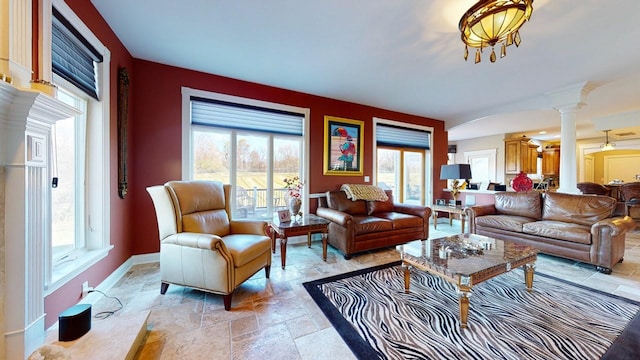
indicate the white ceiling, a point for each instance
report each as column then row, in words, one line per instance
column 407, row 56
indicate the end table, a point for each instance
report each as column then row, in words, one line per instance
column 306, row 225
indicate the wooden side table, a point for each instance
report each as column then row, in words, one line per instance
column 309, row 224
column 451, row 210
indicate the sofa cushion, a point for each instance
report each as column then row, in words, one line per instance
column 560, row 230
column 401, row 221
column 578, row 209
column 370, row 224
column 527, row 204
column 374, row 207
column 504, row 222
column 337, row 200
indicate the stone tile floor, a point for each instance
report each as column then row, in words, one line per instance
column 276, row 319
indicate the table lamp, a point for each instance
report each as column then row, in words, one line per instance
column 455, row 172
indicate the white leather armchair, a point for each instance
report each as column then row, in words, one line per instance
column 200, row 246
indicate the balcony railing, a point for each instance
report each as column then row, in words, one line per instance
column 253, row 203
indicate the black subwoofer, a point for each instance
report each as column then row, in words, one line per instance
column 74, row 322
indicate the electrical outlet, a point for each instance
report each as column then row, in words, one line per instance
column 86, row 288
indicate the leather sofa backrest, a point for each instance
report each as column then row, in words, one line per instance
column 374, row 207
column 577, row 209
column 527, row 204
column 337, row 200
column 201, row 206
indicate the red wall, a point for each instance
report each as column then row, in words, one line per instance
column 69, row 294
column 156, row 131
column 155, row 146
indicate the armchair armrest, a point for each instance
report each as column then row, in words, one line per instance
column 256, row 227
column 341, row 218
column 196, row 240
column 417, row 210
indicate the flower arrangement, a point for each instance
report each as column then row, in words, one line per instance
column 294, row 187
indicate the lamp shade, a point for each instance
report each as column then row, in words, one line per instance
column 455, row 171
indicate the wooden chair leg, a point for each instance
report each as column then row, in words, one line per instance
column 267, row 271
column 227, row 301
column 163, row 287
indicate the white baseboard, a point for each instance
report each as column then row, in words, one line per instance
column 115, row 276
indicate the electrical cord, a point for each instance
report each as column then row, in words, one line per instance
column 107, row 313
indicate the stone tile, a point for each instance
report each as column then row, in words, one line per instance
column 242, row 326
column 301, row 326
column 212, row 342
column 176, row 319
column 273, row 342
column 325, row 344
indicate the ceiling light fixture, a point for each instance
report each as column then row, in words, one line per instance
column 607, row 145
column 490, row 22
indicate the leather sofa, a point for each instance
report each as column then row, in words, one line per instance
column 586, row 228
column 362, row 225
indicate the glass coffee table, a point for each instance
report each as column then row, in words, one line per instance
column 467, row 260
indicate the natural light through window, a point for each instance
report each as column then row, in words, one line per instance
column 69, row 160
column 253, row 148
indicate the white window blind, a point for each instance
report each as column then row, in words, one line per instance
column 207, row 112
column 396, row 136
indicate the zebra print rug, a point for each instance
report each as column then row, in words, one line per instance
column 558, row 320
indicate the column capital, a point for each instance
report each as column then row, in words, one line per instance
column 570, row 97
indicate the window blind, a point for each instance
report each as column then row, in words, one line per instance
column 72, row 56
column 207, row 112
column 389, row 135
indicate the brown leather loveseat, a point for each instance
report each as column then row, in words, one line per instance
column 587, row 228
column 362, row 225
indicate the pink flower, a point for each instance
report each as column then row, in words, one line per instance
column 294, row 187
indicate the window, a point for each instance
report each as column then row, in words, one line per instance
column 402, row 159
column 483, row 165
column 250, row 144
column 79, row 234
column 402, row 171
column 69, row 164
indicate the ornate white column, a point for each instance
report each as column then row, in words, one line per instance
column 26, row 117
column 15, row 41
column 567, row 101
column 568, row 169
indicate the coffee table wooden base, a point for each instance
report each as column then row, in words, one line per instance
column 464, row 291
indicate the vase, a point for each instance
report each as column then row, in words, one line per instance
column 294, row 206
column 522, row 182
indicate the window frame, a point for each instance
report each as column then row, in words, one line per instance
column 187, row 158
column 491, row 156
column 80, row 161
column 427, row 154
column 97, row 229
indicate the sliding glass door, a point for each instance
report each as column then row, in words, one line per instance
column 402, row 171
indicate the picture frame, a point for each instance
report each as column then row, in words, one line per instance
column 284, row 216
column 441, row 202
column 343, row 146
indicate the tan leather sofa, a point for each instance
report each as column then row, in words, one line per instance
column 362, row 225
column 200, row 245
column 587, row 228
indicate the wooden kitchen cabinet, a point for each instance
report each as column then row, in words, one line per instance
column 551, row 160
column 520, row 155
